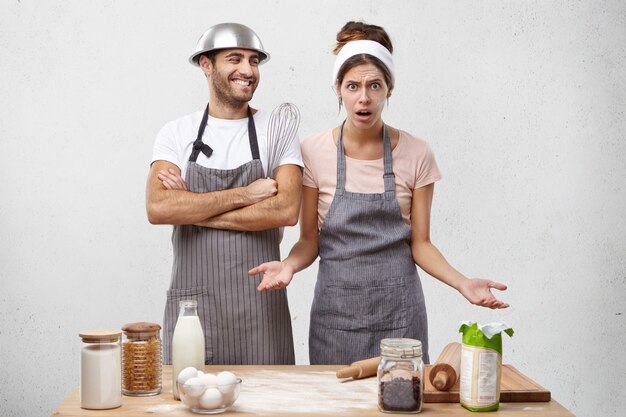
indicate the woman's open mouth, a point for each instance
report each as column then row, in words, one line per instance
column 363, row 115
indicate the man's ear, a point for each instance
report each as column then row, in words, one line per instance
column 206, row 65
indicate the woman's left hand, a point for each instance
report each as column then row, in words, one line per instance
column 478, row 292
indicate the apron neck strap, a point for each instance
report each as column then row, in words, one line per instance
column 388, row 176
column 254, row 143
column 199, row 146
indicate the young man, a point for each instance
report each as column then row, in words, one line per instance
column 209, row 179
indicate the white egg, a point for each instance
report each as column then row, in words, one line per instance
column 185, row 374
column 211, row 399
column 194, row 387
column 210, row 380
column 191, row 402
column 226, row 381
column 228, row 397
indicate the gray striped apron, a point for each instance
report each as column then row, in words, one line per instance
column 241, row 325
column 367, row 284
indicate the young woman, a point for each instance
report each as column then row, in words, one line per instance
column 367, row 197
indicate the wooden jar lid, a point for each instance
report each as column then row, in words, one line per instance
column 141, row 327
column 100, row 336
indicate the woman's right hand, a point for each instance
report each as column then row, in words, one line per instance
column 276, row 275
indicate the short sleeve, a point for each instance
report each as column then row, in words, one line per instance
column 309, row 177
column 292, row 155
column 427, row 170
column 165, row 147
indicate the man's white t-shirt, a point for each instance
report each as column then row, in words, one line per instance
column 227, row 138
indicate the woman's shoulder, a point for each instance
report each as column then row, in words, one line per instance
column 408, row 139
column 411, row 145
column 317, row 140
column 416, row 155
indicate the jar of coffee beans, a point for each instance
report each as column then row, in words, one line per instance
column 400, row 376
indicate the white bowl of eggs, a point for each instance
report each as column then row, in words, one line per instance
column 207, row 393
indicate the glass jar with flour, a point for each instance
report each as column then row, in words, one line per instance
column 100, row 369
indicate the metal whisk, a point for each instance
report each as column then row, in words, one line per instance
column 282, row 131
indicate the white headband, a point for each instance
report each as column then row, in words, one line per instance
column 372, row 48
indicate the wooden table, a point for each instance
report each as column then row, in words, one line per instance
column 303, row 391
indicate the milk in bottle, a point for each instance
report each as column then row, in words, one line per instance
column 187, row 341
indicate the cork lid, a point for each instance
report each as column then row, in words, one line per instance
column 100, row 336
column 141, row 327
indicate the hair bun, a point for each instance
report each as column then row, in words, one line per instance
column 356, row 31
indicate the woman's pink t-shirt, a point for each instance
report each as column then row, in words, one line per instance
column 414, row 166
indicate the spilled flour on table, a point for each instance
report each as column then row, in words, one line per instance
column 165, row 408
column 310, row 392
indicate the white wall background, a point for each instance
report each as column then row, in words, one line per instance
column 523, row 102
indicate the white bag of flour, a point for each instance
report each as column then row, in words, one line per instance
column 481, row 365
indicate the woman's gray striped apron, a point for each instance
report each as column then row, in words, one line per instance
column 367, row 285
column 241, row 325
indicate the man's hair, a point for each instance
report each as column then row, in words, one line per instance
column 210, row 55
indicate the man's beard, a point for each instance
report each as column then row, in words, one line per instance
column 225, row 94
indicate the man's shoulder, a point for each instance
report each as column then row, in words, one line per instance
column 261, row 119
column 183, row 126
column 191, row 119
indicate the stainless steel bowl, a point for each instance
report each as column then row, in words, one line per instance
column 228, row 35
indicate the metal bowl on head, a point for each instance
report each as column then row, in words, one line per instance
column 228, row 35
column 209, row 399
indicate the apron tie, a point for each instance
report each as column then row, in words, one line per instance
column 199, row 146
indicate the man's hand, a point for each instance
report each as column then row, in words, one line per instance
column 259, row 190
column 262, row 188
column 172, row 180
column 168, row 200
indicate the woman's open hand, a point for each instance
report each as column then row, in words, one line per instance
column 276, row 275
column 478, row 292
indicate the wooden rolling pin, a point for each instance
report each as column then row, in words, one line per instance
column 446, row 369
column 360, row 369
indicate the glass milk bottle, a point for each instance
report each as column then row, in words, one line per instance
column 187, row 342
column 100, row 369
